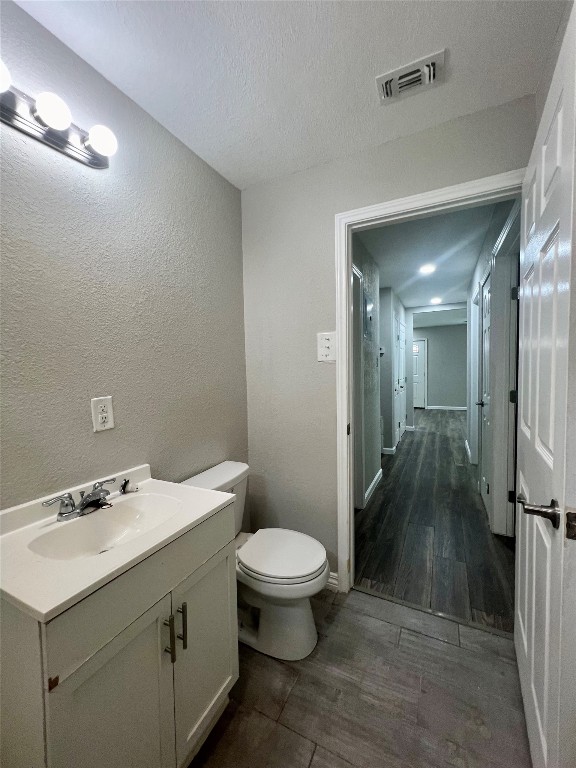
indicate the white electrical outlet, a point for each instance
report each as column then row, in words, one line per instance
column 102, row 413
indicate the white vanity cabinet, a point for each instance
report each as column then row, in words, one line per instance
column 113, row 693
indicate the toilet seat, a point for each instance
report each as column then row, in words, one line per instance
column 281, row 556
column 278, row 580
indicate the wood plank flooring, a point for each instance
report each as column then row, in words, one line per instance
column 424, row 538
column 387, row 686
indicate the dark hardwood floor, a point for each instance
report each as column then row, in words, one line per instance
column 424, row 538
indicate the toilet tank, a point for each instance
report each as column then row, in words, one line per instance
column 229, row 476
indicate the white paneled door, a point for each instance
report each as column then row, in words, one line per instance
column 545, row 617
column 402, row 375
column 419, row 372
column 485, row 403
column 396, row 367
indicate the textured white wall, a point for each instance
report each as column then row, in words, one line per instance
column 124, row 282
column 289, row 288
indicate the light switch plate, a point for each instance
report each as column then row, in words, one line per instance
column 102, row 413
column 327, row 347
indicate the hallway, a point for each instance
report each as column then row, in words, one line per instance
column 424, row 538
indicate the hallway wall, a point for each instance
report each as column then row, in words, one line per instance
column 447, row 353
column 370, row 366
column 289, row 289
column 501, row 212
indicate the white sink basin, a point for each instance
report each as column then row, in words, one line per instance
column 47, row 566
column 105, row 529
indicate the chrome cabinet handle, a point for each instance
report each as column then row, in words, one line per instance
column 184, row 635
column 171, row 649
column 551, row 512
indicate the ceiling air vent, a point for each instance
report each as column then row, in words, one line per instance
column 411, row 78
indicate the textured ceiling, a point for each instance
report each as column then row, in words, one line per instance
column 264, row 89
column 450, row 241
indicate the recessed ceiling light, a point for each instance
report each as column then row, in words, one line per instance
column 435, row 300
column 427, row 269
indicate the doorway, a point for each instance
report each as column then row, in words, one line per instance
column 425, row 538
column 420, row 373
column 484, row 191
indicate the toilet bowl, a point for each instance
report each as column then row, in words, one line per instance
column 277, row 571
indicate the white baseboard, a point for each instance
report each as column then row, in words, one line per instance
column 410, row 429
column 333, row 582
column 372, row 486
column 388, row 451
column 445, row 407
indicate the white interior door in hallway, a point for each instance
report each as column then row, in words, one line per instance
column 485, row 402
column 402, row 376
column 396, row 364
column 419, row 372
column 545, row 613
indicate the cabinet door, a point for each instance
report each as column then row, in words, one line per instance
column 116, row 710
column 208, row 668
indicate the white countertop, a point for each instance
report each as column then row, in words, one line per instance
column 44, row 587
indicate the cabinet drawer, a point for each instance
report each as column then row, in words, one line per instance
column 78, row 633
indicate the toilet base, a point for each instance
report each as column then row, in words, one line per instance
column 285, row 629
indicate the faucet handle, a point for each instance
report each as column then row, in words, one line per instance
column 101, row 483
column 65, row 500
column 67, row 506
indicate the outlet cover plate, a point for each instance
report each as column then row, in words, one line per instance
column 102, row 413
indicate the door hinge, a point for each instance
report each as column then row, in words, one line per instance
column 53, row 682
column 571, row 525
column 487, row 489
column 511, row 497
column 513, row 396
column 515, row 293
column 348, row 429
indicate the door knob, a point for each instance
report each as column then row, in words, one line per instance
column 551, row 512
column 480, row 403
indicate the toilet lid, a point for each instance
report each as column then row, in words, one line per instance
column 282, row 554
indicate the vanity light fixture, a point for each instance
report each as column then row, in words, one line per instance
column 5, row 79
column 101, row 140
column 52, row 112
column 436, row 300
column 427, row 269
column 48, row 119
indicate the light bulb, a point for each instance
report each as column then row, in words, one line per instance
column 52, row 111
column 102, row 140
column 427, row 269
column 5, row 79
column 436, row 300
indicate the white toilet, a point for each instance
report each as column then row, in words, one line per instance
column 277, row 571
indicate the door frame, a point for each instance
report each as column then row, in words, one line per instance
column 490, row 189
column 424, row 369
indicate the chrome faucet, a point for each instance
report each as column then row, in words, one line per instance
column 94, row 499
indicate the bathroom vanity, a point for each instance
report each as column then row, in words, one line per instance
column 123, row 656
